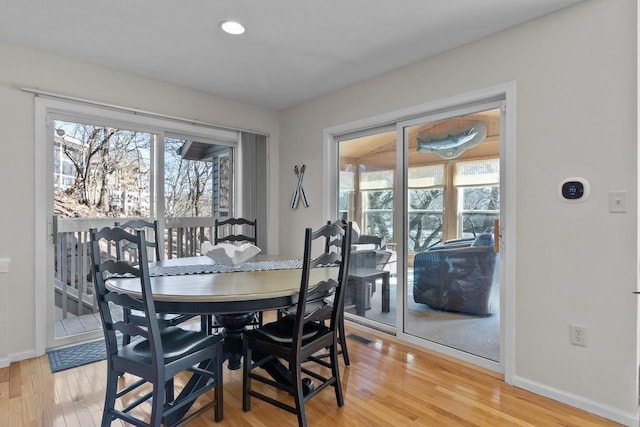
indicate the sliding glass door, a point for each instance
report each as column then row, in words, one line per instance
column 453, row 203
column 100, row 167
column 366, row 198
column 424, row 196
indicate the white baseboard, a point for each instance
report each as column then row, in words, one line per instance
column 16, row 357
column 579, row 402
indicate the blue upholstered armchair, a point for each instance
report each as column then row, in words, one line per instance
column 460, row 275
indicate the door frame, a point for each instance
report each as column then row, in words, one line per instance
column 400, row 220
column 505, row 92
column 47, row 109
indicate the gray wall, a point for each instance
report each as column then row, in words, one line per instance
column 29, row 68
column 575, row 72
column 576, row 116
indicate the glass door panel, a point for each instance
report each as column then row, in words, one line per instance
column 101, row 174
column 453, row 198
column 197, row 188
column 366, row 197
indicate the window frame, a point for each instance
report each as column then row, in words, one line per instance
column 48, row 109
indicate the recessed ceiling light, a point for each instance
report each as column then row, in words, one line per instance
column 232, row 27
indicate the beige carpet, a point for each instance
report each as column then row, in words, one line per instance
column 478, row 335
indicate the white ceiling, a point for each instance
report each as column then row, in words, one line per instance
column 293, row 50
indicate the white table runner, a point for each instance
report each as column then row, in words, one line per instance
column 179, row 270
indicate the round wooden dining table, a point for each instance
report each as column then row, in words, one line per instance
column 232, row 296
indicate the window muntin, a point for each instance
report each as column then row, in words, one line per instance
column 478, row 188
column 378, row 213
column 377, row 202
column 346, row 194
column 426, row 206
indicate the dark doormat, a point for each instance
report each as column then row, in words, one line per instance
column 77, row 355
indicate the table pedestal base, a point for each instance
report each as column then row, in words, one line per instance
column 233, row 326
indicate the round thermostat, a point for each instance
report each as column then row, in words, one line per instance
column 574, row 189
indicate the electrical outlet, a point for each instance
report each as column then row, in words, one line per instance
column 578, row 335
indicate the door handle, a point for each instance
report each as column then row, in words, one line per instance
column 496, row 236
column 53, row 228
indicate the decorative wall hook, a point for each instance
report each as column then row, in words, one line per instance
column 299, row 191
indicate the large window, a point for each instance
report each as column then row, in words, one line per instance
column 426, row 206
column 478, row 186
column 346, row 194
column 188, row 181
column 477, row 204
column 98, row 166
column 377, row 195
column 101, row 171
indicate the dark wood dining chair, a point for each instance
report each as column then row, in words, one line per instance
column 336, row 244
column 155, row 355
column 236, row 230
column 127, row 251
column 332, row 243
column 295, row 341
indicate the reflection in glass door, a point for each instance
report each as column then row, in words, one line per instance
column 453, row 198
column 440, row 234
column 366, row 197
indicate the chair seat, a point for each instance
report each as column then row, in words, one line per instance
column 176, row 343
column 281, row 331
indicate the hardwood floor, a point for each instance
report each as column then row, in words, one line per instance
column 387, row 383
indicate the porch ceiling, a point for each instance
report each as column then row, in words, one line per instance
column 379, row 151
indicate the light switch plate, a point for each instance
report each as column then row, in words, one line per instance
column 617, row 201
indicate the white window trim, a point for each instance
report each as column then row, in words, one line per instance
column 46, row 110
column 507, row 93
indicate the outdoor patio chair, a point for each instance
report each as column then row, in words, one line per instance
column 460, row 275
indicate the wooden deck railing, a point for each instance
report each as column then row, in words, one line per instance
column 73, row 282
column 183, row 236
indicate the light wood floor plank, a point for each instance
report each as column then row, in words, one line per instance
column 15, row 412
column 388, row 384
column 30, row 413
column 15, row 383
column 4, row 402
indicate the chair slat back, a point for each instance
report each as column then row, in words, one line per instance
column 236, row 230
column 334, row 243
column 128, row 250
column 111, row 304
column 316, row 294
